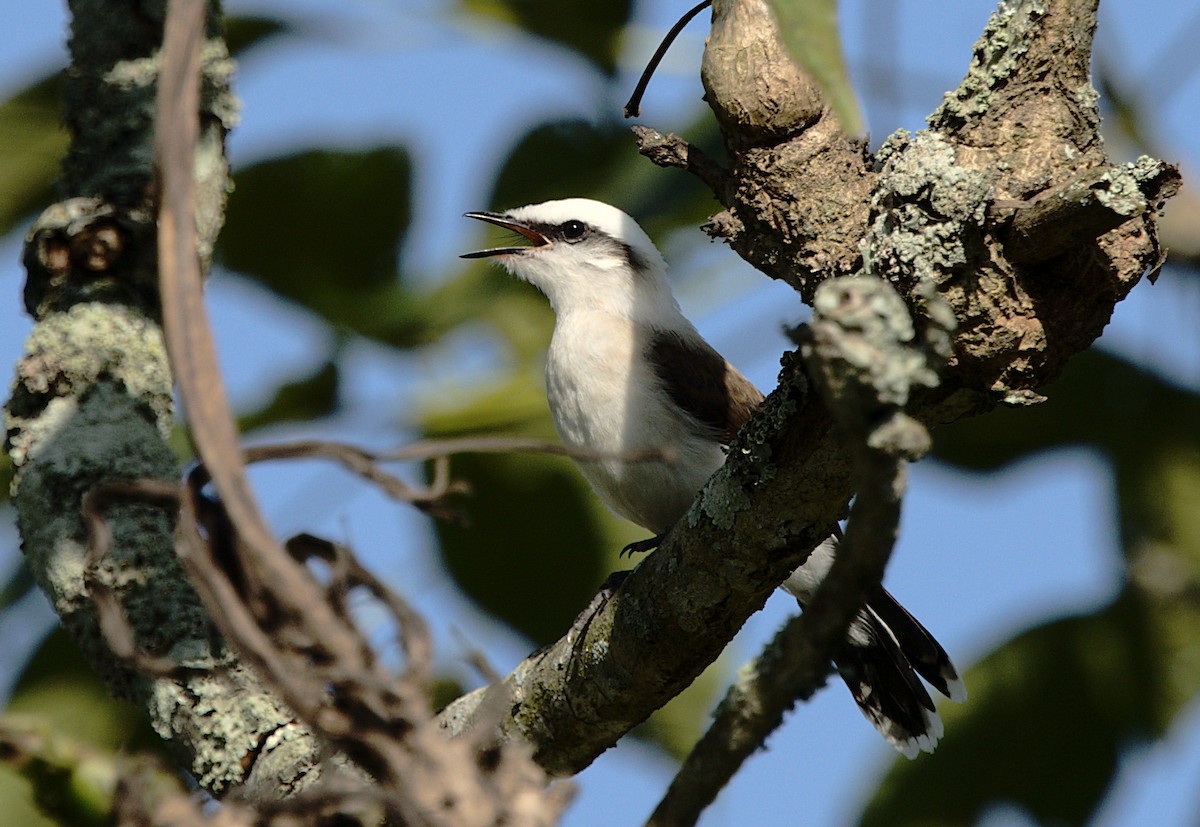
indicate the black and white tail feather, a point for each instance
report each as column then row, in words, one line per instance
column 886, row 653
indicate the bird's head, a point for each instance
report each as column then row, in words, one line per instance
column 583, row 254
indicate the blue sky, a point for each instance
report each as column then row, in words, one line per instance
column 361, row 76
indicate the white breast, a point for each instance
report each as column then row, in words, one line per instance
column 605, row 399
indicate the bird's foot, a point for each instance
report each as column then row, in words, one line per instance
column 642, row 546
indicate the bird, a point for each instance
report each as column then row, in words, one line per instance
column 628, row 374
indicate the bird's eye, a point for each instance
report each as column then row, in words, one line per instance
column 573, row 230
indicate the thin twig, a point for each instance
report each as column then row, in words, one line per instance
column 431, row 449
column 672, row 151
column 365, row 463
column 412, row 629
column 634, row 107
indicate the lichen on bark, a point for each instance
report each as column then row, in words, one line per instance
column 92, row 400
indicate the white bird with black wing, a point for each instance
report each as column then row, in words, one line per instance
column 628, row 374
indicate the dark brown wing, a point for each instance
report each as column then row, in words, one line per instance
column 702, row 383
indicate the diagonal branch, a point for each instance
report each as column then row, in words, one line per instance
column 860, row 351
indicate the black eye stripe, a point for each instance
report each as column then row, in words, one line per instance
column 597, row 237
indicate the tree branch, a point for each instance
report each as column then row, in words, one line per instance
column 672, row 151
column 805, row 205
column 92, row 400
column 1084, row 208
column 861, row 351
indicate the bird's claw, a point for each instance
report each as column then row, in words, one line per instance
column 642, row 546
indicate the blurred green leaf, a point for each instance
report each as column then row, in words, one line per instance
column 531, row 552
column 244, row 33
column 324, row 229
column 1049, row 716
column 60, row 693
column 591, row 29
column 810, row 33
column 16, row 799
column 1101, row 400
column 307, row 399
column 32, row 141
column 69, row 782
column 1145, row 426
column 59, row 690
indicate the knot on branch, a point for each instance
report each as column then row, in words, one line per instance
column 759, row 96
column 84, row 249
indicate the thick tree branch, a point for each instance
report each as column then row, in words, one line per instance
column 92, row 400
column 805, row 205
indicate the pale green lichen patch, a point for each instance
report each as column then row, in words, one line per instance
column 924, row 167
column 926, row 210
column 997, row 57
column 1121, row 189
column 233, row 721
column 866, row 338
column 218, row 69
column 720, row 500
column 127, row 75
column 66, row 353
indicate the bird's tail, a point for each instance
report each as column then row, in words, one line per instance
column 886, row 650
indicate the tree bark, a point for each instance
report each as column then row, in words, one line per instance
column 92, row 403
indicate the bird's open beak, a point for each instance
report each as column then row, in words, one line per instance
column 500, row 220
